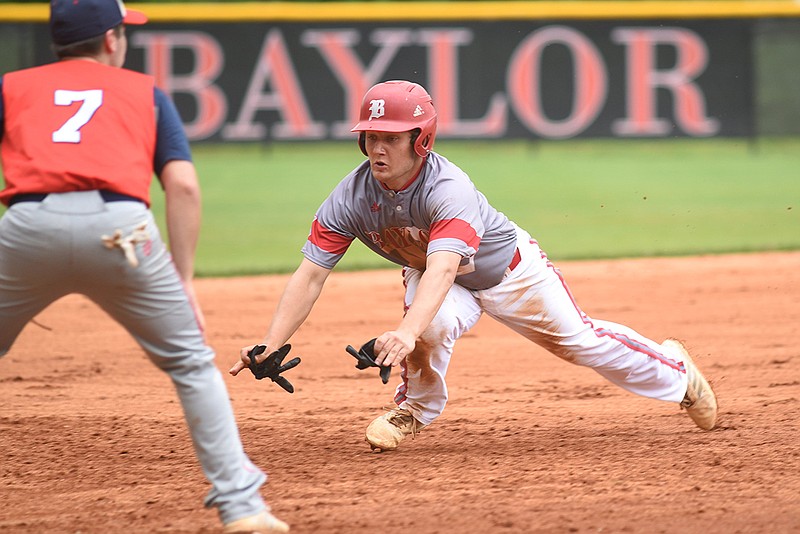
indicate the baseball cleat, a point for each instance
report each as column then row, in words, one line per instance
column 700, row 401
column 261, row 523
column 387, row 431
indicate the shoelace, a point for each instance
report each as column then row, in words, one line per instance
column 695, row 386
column 687, row 401
column 400, row 419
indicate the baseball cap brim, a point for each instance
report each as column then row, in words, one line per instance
column 134, row 17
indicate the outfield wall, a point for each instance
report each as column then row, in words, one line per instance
column 496, row 70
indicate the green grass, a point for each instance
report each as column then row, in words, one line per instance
column 579, row 199
column 610, row 198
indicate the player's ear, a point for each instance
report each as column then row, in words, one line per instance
column 112, row 39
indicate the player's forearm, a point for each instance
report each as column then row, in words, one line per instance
column 428, row 300
column 184, row 228
column 296, row 303
column 434, row 285
column 183, row 214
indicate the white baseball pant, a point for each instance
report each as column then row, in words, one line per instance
column 533, row 299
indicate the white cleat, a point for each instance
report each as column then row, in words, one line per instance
column 261, row 523
column 700, row 401
column 387, row 431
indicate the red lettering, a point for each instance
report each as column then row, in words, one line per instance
column 443, row 85
column 643, row 78
column 274, row 105
column 394, row 238
column 375, row 237
column 209, row 61
column 274, row 66
column 336, row 48
column 524, row 82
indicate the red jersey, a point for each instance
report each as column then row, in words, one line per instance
column 78, row 125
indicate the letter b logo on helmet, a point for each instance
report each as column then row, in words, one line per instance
column 398, row 106
column 376, row 109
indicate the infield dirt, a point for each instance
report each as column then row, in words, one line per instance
column 92, row 437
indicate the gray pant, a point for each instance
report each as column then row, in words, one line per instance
column 52, row 248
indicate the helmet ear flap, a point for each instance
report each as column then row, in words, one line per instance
column 423, row 145
column 362, row 142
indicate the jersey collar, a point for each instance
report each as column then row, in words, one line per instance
column 411, row 181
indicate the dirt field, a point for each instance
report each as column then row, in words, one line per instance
column 92, row 438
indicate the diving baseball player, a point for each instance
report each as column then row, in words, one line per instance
column 461, row 258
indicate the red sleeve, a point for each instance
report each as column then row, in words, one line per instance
column 328, row 240
column 455, row 229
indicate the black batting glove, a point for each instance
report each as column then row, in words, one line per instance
column 273, row 366
column 366, row 358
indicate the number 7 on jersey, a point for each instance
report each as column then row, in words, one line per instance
column 91, row 101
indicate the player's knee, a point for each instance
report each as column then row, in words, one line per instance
column 184, row 361
column 444, row 329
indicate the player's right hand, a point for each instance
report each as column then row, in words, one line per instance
column 392, row 347
column 244, row 360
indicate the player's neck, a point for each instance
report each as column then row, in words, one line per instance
column 90, row 59
column 402, row 183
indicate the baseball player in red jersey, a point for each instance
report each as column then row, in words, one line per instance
column 461, row 258
column 81, row 140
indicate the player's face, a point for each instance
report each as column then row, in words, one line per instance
column 392, row 158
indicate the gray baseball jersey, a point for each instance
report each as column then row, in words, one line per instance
column 441, row 210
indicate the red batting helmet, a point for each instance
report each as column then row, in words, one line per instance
column 398, row 106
